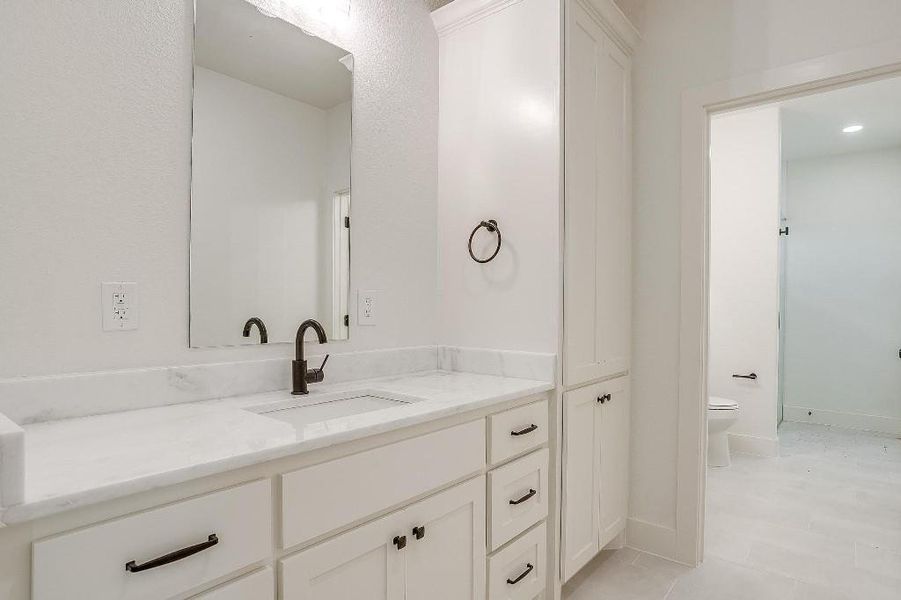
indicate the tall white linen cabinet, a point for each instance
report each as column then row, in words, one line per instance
column 535, row 132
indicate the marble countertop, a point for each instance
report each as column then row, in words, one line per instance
column 76, row 462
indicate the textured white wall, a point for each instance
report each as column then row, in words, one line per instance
column 843, row 282
column 499, row 159
column 745, row 173
column 95, row 110
column 686, row 44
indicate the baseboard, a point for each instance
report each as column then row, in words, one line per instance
column 651, row 538
column 860, row 421
column 754, row 445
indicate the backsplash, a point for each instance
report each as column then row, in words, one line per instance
column 34, row 399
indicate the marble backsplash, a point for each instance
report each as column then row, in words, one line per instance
column 27, row 400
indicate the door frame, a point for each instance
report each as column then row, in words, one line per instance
column 832, row 71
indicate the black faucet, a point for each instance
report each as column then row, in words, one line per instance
column 264, row 336
column 300, row 375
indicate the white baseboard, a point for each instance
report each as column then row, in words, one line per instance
column 842, row 419
column 651, row 538
column 751, row 444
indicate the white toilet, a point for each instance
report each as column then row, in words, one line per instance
column 721, row 415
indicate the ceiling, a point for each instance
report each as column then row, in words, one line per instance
column 234, row 38
column 812, row 125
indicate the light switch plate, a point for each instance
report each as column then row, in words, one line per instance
column 119, row 302
column 367, row 307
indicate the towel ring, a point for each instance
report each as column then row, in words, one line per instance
column 490, row 225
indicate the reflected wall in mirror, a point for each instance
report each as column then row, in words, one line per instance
column 270, row 183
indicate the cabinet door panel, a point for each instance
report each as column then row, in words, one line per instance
column 580, row 482
column 362, row 563
column 597, row 269
column 448, row 561
column 614, row 455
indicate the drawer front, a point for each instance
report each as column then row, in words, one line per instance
column 259, row 585
column 518, row 496
column 518, row 572
column 325, row 497
column 91, row 563
column 517, row 431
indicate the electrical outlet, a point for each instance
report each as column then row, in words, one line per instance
column 119, row 302
column 367, row 308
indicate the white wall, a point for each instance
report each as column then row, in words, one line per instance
column 95, row 110
column 686, row 44
column 499, row 159
column 745, row 176
column 258, row 196
column 843, row 284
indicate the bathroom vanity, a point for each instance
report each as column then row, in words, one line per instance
column 428, row 485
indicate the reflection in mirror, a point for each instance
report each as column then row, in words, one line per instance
column 270, row 183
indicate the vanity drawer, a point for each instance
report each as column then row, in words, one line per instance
column 527, row 555
column 91, row 562
column 328, row 496
column 259, row 585
column 517, row 430
column 518, row 496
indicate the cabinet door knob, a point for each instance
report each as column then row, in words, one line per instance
column 400, row 541
column 524, row 498
column 419, row 532
column 522, row 575
column 604, row 398
column 528, row 429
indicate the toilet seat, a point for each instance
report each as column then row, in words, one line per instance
column 716, row 403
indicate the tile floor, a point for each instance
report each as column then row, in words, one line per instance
column 821, row 522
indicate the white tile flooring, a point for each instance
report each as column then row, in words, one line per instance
column 821, row 522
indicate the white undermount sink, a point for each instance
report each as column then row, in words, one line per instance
column 304, row 411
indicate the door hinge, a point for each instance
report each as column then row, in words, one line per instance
column 347, row 320
column 347, row 222
column 783, row 230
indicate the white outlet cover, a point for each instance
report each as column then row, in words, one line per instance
column 367, row 307
column 119, row 305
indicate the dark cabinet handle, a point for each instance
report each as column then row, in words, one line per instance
column 524, row 498
column 133, row 567
column 400, row 541
column 522, row 575
column 604, row 398
column 419, row 532
column 748, row 376
column 528, row 429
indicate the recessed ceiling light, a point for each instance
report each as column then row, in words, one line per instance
column 852, row 128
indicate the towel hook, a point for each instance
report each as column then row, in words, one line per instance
column 490, row 225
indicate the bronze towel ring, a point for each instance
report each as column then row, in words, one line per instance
column 490, row 225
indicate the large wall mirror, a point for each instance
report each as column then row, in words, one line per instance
column 270, row 186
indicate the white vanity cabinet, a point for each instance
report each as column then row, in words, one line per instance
column 405, row 517
column 595, row 469
column 597, row 200
column 431, row 550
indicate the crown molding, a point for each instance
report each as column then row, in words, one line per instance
column 461, row 13
column 614, row 22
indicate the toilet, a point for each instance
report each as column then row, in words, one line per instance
column 721, row 415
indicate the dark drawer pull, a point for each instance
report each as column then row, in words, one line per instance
column 748, row 376
column 400, row 541
column 522, row 575
column 133, row 567
column 604, row 398
column 419, row 532
column 528, row 429
column 524, row 498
